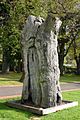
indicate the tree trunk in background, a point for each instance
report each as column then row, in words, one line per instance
column 40, row 60
column 61, row 59
column 5, row 65
column 77, row 58
column 19, row 66
column 22, row 77
column 23, row 73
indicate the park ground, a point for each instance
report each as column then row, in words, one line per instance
column 7, row 113
column 13, row 78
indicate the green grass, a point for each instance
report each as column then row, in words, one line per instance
column 69, row 114
column 7, row 113
column 11, row 78
column 70, row 78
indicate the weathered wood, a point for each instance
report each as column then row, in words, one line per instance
column 41, row 69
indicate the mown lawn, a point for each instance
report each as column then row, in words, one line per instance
column 7, row 113
column 70, row 78
column 11, row 78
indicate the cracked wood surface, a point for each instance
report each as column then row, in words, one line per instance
column 40, row 59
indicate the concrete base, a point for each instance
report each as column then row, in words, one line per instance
column 41, row 111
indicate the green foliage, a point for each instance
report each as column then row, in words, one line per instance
column 67, row 5
column 71, row 51
column 14, row 13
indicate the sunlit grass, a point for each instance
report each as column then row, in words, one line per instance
column 68, row 114
column 11, row 78
column 7, row 113
column 70, row 78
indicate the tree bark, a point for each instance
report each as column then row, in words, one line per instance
column 5, row 64
column 61, row 58
column 22, row 77
column 77, row 58
column 40, row 60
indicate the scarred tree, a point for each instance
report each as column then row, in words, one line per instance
column 40, row 60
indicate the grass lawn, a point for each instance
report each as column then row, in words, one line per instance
column 7, row 113
column 11, row 78
column 70, row 78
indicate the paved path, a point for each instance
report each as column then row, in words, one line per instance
column 13, row 91
column 70, row 86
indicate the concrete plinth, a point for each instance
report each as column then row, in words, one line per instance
column 41, row 111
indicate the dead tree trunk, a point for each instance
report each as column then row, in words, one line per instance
column 40, row 60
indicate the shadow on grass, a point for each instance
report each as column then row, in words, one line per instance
column 5, row 109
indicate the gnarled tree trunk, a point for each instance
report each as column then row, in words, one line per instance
column 40, row 59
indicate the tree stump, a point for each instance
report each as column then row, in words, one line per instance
column 40, row 60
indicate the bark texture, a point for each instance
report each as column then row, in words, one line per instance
column 6, row 62
column 61, row 58
column 77, row 58
column 40, row 59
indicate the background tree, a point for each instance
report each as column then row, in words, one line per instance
column 76, row 46
column 13, row 16
column 68, row 33
column 14, row 13
column 70, row 15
